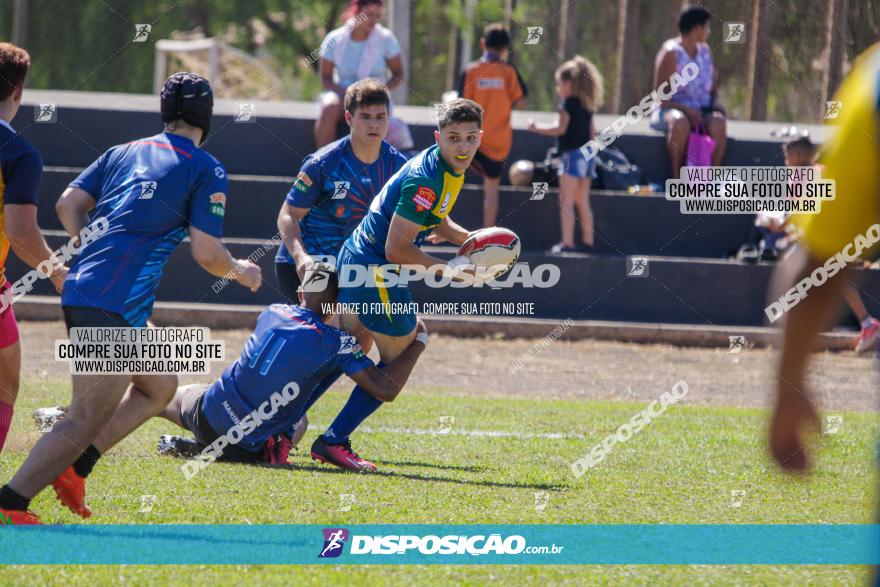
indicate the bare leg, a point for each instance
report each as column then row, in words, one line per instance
column 585, row 213
column 94, row 399
column 716, row 127
column 10, row 370
column 491, row 191
column 677, row 139
column 567, row 189
column 147, row 396
column 325, row 126
column 854, row 301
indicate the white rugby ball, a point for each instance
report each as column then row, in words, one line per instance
column 493, row 248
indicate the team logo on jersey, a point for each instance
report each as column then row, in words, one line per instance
column 148, row 188
column 348, row 345
column 424, row 199
column 303, row 182
column 218, row 171
column 218, row 204
column 444, row 204
column 340, row 189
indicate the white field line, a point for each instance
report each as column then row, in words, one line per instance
column 454, row 432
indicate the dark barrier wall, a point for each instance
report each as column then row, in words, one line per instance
column 277, row 145
column 590, row 288
column 625, row 224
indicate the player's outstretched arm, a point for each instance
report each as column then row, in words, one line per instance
column 385, row 384
column 794, row 412
column 213, row 256
column 289, row 218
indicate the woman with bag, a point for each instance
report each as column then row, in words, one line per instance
column 692, row 118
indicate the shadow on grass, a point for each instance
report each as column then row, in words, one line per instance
column 415, row 477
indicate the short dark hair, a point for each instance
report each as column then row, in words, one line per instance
column 691, row 16
column 801, row 144
column 496, row 36
column 460, row 110
column 14, row 64
column 366, row 92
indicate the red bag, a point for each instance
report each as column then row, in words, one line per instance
column 700, row 148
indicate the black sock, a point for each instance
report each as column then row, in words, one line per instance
column 12, row 500
column 86, row 462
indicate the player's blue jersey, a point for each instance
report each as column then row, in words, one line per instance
column 337, row 187
column 290, row 344
column 150, row 191
column 20, row 171
column 423, row 191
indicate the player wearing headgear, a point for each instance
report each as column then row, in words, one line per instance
column 291, row 351
column 415, row 203
column 147, row 195
column 20, row 171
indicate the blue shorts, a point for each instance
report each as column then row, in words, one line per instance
column 386, row 310
column 574, row 163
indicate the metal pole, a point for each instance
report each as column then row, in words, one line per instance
column 400, row 20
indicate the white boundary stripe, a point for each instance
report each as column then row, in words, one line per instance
column 478, row 433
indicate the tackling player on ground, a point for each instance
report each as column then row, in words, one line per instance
column 291, row 344
column 852, row 159
column 20, row 171
column 415, row 203
column 152, row 192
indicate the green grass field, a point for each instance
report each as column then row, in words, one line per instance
column 681, row 468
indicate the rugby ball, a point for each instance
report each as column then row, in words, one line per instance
column 492, row 247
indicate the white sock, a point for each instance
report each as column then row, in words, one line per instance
column 867, row 321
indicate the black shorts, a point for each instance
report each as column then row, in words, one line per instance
column 288, row 281
column 487, row 167
column 192, row 416
column 83, row 317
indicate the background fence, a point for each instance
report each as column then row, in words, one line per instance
column 792, row 56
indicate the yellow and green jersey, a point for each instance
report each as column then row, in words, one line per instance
column 423, row 191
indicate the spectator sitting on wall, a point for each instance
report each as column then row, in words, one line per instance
column 696, row 102
column 361, row 49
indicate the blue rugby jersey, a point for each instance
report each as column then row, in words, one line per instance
column 289, row 345
column 150, row 191
column 337, row 187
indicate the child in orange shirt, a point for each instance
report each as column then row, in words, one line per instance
column 497, row 86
